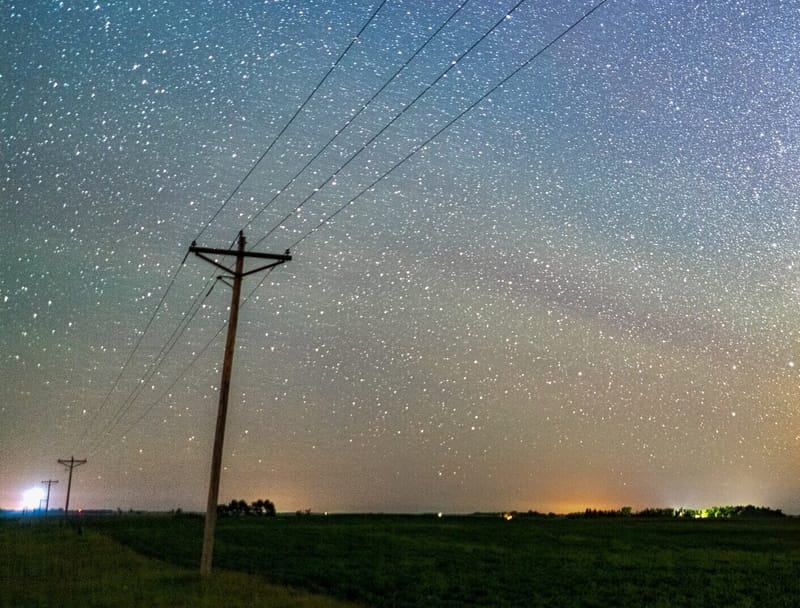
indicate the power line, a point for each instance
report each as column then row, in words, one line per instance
column 127, row 403
column 169, row 345
column 100, row 444
column 133, row 352
column 468, row 109
column 95, row 419
column 227, row 200
column 396, row 117
column 358, row 113
column 291, row 120
column 331, row 216
column 167, row 390
column 183, row 372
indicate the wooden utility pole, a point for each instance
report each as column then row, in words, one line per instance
column 237, row 274
column 70, row 464
column 49, row 483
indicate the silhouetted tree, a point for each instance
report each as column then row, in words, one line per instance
column 240, row 508
column 263, row 507
column 660, row 512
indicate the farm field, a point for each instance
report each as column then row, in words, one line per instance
column 410, row 561
column 44, row 564
column 405, row 561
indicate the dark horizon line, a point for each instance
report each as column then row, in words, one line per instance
column 624, row 511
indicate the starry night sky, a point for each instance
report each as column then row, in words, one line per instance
column 582, row 293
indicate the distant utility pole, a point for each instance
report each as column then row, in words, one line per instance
column 49, row 483
column 70, row 464
column 237, row 274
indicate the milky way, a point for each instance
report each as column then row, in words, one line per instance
column 581, row 293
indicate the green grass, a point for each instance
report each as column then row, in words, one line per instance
column 43, row 564
column 407, row 561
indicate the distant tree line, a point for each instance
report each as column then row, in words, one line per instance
column 238, row 508
column 727, row 512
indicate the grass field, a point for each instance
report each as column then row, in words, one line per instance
column 469, row 561
column 44, row 565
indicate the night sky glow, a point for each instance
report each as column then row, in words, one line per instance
column 582, row 293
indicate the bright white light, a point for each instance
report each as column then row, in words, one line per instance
column 31, row 498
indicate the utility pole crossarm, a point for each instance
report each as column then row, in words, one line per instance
column 205, row 252
column 267, row 267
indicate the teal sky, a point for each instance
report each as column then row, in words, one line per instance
column 583, row 293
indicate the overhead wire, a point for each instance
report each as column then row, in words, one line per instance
column 233, row 193
column 428, row 141
column 340, row 209
column 133, row 352
column 181, row 375
column 350, row 120
column 452, row 65
column 153, row 368
column 167, row 390
column 358, row 113
column 308, row 98
column 291, row 119
column 468, row 109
